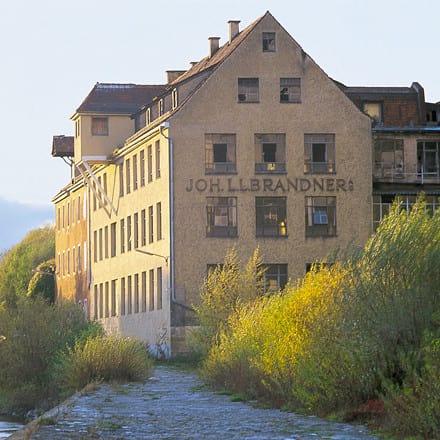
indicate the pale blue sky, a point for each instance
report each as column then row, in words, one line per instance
column 54, row 51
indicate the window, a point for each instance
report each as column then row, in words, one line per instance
column 104, row 183
column 136, row 230
column 121, row 180
column 388, row 158
column 144, row 291
column 142, row 166
column 428, row 159
column 148, row 116
column 151, row 292
column 79, row 208
column 129, row 233
column 270, row 153
column 122, row 296
column 79, row 265
column 290, row 90
column 129, row 295
column 220, row 153
column 106, row 242
column 127, row 176
column 373, row 110
column 73, row 260
column 157, row 159
column 101, row 300
column 160, row 107
column 136, row 293
column 135, row 173
column 122, row 235
column 159, row 221
column 248, row 90
column 269, row 42
column 100, row 244
column 320, row 216
column 107, row 300
column 174, row 100
column 222, row 217
column 275, row 277
column 99, row 126
column 271, row 219
column 319, row 154
column 150, row 225
column 113, row 239
column 150, row 163
column 95, row 302
column 95, row 246
column 73, row 211
column 143, row 228
column 113, row 299
column 159, row 288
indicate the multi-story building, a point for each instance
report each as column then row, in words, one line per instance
column 253, row 146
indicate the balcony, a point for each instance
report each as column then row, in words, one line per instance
column 220, row 168
column 390, row 173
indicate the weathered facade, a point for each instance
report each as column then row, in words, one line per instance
column 253, row 146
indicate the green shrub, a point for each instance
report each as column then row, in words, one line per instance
column 31, row 334
column 103, row 358
column 349, row 334
column 225, row 289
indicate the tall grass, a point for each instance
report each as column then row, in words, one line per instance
column 347, row 334
column 103, row 358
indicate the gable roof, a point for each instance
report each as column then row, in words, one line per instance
column 118, row 98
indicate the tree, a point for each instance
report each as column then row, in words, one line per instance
column 17, row 264
column 42, row 282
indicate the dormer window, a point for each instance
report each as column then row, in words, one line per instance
column 174, row 99
column 160, row 107
column 99, row 126
column 269, row 42
column 148, row 116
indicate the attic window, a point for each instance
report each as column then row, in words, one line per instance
column 99, row 126
column 269, row 42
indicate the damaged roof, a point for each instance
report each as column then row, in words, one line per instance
column 119, row 98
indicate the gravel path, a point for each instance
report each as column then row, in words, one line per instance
column 174, row 405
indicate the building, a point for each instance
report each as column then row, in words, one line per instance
column 253, row 146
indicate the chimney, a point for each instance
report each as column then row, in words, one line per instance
column 173, row 74
column 213, row 45
column 234, row 29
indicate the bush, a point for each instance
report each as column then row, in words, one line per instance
column 225, row 289
column 103, row 358
column 349, row 334
column 31, row 334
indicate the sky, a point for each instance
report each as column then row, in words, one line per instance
column 54, row 51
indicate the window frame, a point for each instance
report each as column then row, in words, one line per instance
column 263, row 144
column 320, row 216
column 290, row 90
column 269, row 42
column 271, row 216
column 248, row 90
column 221, row 217
column 99, row 126
column 212, row 166
column 326, row 166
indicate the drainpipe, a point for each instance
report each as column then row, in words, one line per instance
column 166, row 125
